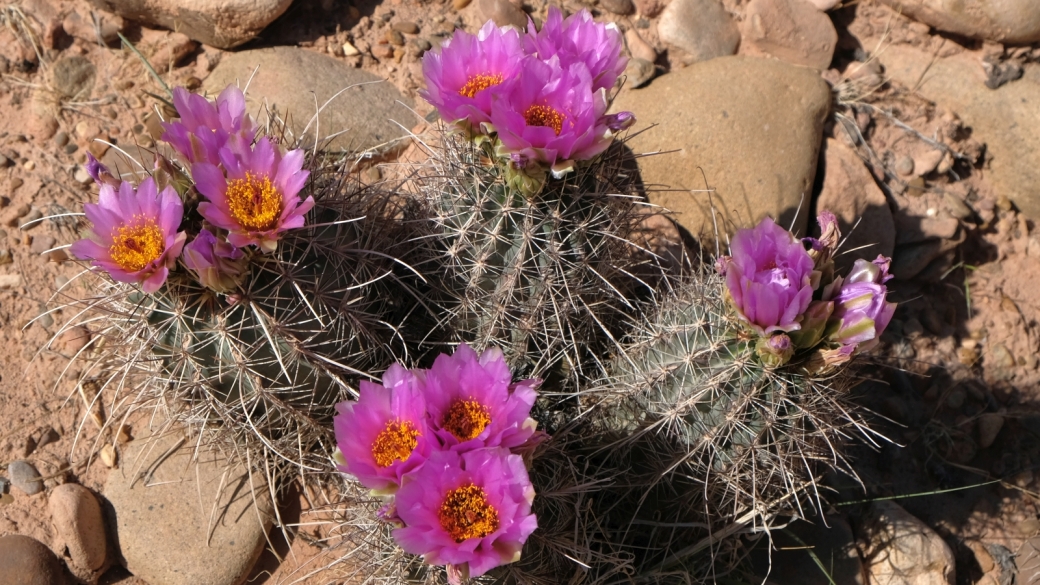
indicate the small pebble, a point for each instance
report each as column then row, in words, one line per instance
column 16, row 183
column 46, row 320
column 134, row 102
column 622, row 7
column 3, row 485
column 394, row 37
column 423, row 45
column 406, row 26
column 108, row 456
column 4, row 161
column 80, row 175
column 10, row 281
column 382, row 51
column 6, row 257
column 60, row 281
column 49, row 436
column 71, row 148
column 61, row 138
column 905, row 166
column 29, row 165
column 350, row 50
column 25, row 477
column 460, row 4
column 32, row 219
column 72, row 340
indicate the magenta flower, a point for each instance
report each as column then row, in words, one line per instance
column 100, row 172
column 217, row 264
column 463, row 80
column 206, row 127
column 861, row 312
column 134, row 236
column 259, row 198
column 471, row 511
column 579, row 39
column 384, row 436
column 550, row 115
column 768, row 277
column 472, row 402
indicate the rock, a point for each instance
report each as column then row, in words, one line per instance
column 72, row 340
column 73, row 77
column 989, row 427
column 1003, row 118
column 25, row 561
column 622, row 7
column 790, row 30
column 460, row 4
column 170, row 49
column 1005, row 21
column 290, row 79
column 12, row 217
column 849, row 191
column 926, row 161
column 503, row 12
column 6, row 257
column 76, row 516
column 899, row 549
column 639, row 48
column 25, row 477
column 61, row 138
column 109, row 26
column 48, row 436
column 41, row 244
column 910, row 260
column 406, row 26
column 824, row 4
column 42, row 126
column 187, row 521
column 650, row 8
column 702, row 28
column 9, row 281
column 753, row 125
column 639, row 72
column 218, row 23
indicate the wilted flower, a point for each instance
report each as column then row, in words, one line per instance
column 206, row 127
column 462, row 80
column 134, row 236
column 217, row 264
column 861, row 312
column 471, row 511
column 384, row 435
column 551, row 116
column 579, row 39
column 472, row 402
column 768, row 277
column 259, row 198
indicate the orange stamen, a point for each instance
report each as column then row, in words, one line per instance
column 394, row 443
column 135, row 246
column 254, row 202
column 467, row 514
column 466, row 419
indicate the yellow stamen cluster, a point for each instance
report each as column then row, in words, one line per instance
column 394, row 443
column 254, row 202
column 466, row 419
column 136, row 245
column 479, row 83
column 542, row 115
column 467, row 514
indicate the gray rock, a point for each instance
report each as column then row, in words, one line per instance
column 503, row 12
column 25, row 477
column 790, row 30
column 186, row 521
column 910, row 260
column 77, row 520
column 752, row 125
column 1005, row 118
column 990, row 424
column 26, row 561
column 702, row 28
column 849, row 191
column 622, row 7
column 639, row 72
column 73, row 76
column 219, row 23
column 290, row 80
column 899, row 549
column 1010, row 21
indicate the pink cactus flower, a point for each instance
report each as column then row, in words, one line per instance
column 768, row 276
column 579, row 39
column 384, row 436
column 134, row 236
column 470, row 511
column 217, row 264
column 259, row 197
column 206, row 127
column 472, row 402
column 861, row 312
column 550, row 115
column 465, row 77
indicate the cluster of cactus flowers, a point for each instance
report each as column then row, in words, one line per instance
column 263, row 302
column 445, row 446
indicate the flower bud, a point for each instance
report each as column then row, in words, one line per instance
column 775, row 350
column 861, row 312
column 217, row 264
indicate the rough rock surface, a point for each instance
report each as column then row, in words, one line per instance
column 25, row 561
column 220, row 23
column 187, row 521
column 899, row 549
column 1012, row 21
column 291, row 80
column 1007, row 117
column 702, row 28
column 76, row 516
column 790, row 30
column 850, row 193
column 753, row 126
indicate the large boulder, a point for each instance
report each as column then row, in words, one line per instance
column 1005, row 119
column 1006, row 21
column 220, row 23
column 748, row 128
column 702, row 28
column 367, row 113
